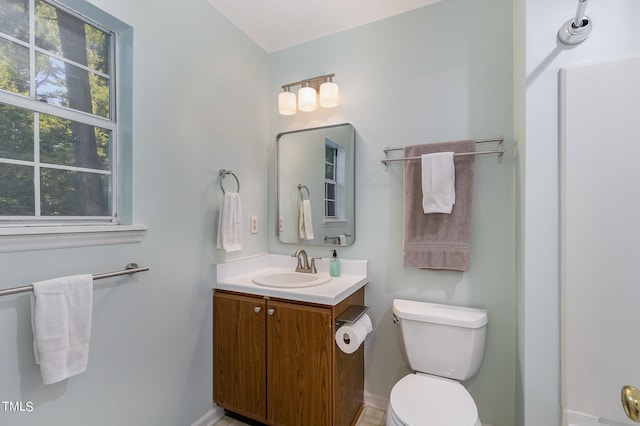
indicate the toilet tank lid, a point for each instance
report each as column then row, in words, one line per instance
column 458, row 316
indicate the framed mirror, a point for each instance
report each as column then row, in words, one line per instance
column 315, row 186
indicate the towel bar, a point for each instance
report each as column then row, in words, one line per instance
column 336, row 238
column 131, row 268
column 499, row 151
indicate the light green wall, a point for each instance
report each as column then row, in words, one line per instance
column 442, row 72
column 199, row 104
column 613, row 36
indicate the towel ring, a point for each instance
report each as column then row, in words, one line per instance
column 300, row 187
column 224, row 173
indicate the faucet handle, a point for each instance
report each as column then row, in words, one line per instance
column 313, row 264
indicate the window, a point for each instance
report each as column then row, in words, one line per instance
column 65, row 144
column 59, row 137
column 330, row 181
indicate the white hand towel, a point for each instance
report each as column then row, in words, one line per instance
column 438, row 182
column 306, row 220
column 61, row 311
column 342, row 240
column 230, row 223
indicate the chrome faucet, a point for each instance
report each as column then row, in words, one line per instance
column 303, row 262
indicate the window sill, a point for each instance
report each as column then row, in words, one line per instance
column 54, row 237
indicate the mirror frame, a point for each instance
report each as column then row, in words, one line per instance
column 319, row 240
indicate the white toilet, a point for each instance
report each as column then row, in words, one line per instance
column 444, row 345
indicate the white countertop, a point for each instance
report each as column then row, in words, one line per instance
column 237, row 276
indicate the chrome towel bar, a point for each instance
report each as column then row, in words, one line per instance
column 131, row 268
column 499, row 151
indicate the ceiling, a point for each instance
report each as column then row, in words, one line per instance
column 278, row 24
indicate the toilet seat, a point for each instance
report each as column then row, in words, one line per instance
column 423, row 400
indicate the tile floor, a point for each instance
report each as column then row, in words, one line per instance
column 370, row 417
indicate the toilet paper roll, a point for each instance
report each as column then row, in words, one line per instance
column 350, row 337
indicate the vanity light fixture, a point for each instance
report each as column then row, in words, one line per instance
column 328, row 93
column 306, row 98
column 308, row 95
column 287, row 102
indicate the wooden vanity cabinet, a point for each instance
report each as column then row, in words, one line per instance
column 299, row 342
column 275, row 361
column 239, row 347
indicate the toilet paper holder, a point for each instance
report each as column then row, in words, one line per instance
column 351, row 315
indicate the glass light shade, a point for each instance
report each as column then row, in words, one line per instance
column 287, row 103
column 328, row 94
column 307, row 99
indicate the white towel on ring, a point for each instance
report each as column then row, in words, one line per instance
column 230, row 223
column 306, row 220
column 61, row 311
column 438, row 182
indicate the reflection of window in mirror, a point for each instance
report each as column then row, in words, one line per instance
column 330, row 157
column 334, row 162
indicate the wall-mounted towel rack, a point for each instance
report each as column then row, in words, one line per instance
column 224, row 173
column 336, row 238
column 300, row 188
column 131, row 268
column 499, row 151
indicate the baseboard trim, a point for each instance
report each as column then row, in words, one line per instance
column 211, row 417
column 574, row 418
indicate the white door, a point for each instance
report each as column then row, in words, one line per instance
column 600, row 239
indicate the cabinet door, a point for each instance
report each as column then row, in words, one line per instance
column 299, row 383
column 239, row 354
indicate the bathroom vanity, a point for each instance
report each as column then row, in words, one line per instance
column 274, row 354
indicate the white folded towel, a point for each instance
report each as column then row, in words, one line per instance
column 438, row 182
column 230, row 223
column 61, row 311
column 342, row 240
column 306, row 221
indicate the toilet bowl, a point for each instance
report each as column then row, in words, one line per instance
column 444, row 345
column 423, row 400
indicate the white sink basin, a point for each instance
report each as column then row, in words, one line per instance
column 289, row 279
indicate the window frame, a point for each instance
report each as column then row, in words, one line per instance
column 32, row 104
column 34, row 235
column 331, row 182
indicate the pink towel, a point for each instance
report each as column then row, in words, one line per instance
column 438, row 240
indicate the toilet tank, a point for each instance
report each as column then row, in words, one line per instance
column 442, row 340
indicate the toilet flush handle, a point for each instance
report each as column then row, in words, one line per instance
column 395, row 318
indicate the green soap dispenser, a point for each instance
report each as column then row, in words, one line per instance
column 334, row 265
